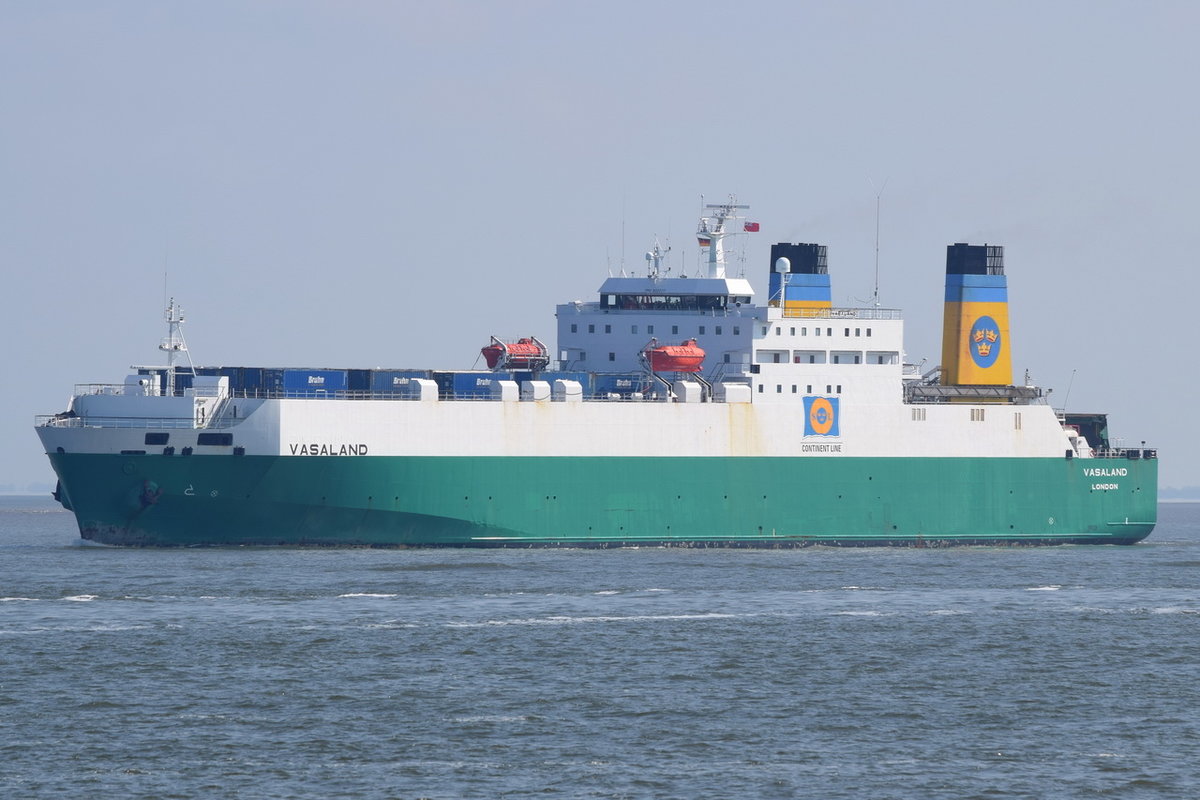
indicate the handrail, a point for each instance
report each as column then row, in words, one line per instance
column 842, row 313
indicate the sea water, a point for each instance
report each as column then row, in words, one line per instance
column 1034, row 672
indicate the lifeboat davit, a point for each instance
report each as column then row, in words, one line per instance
column 686, row 357
column 526, row 353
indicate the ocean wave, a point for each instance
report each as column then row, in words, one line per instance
column 569, row 620
column 1174, row 610
column 367, row 594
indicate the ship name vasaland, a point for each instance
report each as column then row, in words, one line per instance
column 1106, row 472
column 313, row 449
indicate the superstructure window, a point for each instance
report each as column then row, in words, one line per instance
column 612, row 356
column 215, row 439
column 574, row 328
column 608, row 328
column 633, row 328
column 591, row 328
column 976, row 415
column 674, row 329
column 918, row 415
column 659, row 302
column 701, row 330
column 157, row 438
column 808, row 357
column 718, row 330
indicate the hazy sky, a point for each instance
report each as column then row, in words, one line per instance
column 361, row 183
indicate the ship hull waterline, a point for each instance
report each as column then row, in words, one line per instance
column 397, row 501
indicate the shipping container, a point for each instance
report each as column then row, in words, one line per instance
column 359, row 381
column 476, row 385
column 622, row 383
column 386, row 382
column 314, row 382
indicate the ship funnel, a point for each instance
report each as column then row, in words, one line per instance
column 975, row 343
column 800, row 278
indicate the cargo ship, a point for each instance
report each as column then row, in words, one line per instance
column 675, row 410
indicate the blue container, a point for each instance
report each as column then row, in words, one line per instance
column 314, row 382
column 476, row 385
column 359, row 381
column 584, row 379
column 622, row 383
column 252, row 380
column 395, row 381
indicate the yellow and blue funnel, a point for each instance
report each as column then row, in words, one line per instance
column 975, row 342
column 800, row 278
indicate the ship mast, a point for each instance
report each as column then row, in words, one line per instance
column 174, row 343
column 654, row 261
column 712, row 231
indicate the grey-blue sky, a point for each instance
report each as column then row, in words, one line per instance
column 387, row 183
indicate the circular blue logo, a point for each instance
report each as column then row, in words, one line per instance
column 984, row 342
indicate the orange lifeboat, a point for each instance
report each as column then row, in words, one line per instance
column 525, row 353
column 686, row 357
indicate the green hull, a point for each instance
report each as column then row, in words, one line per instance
column 762, row 502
